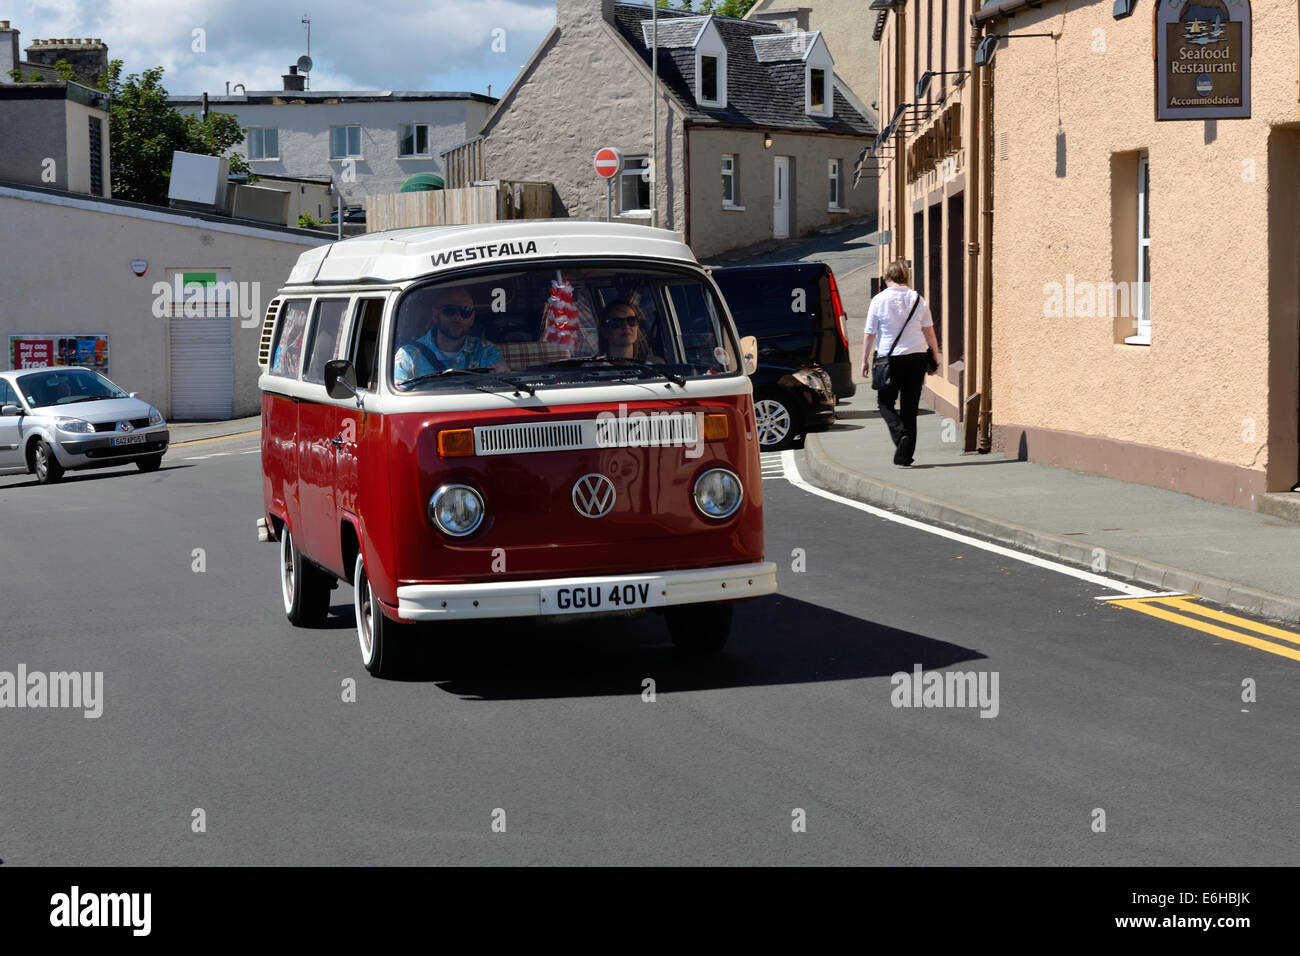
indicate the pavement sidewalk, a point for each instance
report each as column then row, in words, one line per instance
column 1167, row 540
column 205, row 431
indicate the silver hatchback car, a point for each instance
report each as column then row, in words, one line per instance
column 54, row 420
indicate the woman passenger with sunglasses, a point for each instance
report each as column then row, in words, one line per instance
column 622, row 334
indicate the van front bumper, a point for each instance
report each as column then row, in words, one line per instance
column 432, row 602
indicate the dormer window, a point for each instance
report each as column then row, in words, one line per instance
column 708, row 78
column 817, row 93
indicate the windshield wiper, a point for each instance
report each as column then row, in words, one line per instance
column 651, row 367
column 483, row 373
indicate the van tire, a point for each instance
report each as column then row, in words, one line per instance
column 700, row 630
column 777, row 420
column 304, row 587
column 45, row 466
column 382, row 641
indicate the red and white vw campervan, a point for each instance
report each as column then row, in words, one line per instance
column 586, row 446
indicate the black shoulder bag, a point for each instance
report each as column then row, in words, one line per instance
column 880, row 369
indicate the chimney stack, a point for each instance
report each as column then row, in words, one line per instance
column 293, row 80
column 8, row 51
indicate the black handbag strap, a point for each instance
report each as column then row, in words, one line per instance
column 899, row 337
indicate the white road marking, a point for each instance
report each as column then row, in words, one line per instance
column 1125, row 590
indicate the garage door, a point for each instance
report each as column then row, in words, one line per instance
column 202, row 369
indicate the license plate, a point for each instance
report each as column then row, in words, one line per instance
column 605, row 596
column 130, row 440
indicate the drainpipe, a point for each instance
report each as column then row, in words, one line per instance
column 902, row 209
column 970, row 408
column 986, row 251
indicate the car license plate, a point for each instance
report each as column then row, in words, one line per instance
column 130, row 440
column 603, row 596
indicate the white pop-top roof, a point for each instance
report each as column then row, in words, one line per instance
column 403, row 254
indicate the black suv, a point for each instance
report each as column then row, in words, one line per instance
column 794, row 310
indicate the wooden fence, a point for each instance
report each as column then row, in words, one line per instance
column 484, row 202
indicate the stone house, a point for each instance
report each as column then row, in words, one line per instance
column 756, row 136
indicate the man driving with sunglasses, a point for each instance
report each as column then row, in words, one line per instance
column 448, row 343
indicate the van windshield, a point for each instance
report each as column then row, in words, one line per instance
column 560, row 326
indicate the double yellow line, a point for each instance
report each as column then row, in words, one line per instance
column 1184, row 610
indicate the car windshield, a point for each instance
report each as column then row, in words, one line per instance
column 548, row 327
column 66, row 386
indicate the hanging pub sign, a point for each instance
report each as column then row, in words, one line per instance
column 1203, row 59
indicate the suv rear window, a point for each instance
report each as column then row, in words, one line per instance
column 774, row 303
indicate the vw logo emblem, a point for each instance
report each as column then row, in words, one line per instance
column 593, row 496
column 125, row 427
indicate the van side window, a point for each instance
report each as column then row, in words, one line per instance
column 364, row 355
column 7, row 396
column 286, row 354
column 325, row 337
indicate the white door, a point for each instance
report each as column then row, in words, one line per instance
column 202, row 369
column 781, row 197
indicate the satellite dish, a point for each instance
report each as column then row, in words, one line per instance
column 304, row 64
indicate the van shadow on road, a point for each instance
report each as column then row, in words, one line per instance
column 775, row 640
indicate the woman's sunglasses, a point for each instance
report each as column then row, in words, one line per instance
column 629, row 320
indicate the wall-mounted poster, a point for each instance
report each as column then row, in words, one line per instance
column 37, row 351
column 1203, row 59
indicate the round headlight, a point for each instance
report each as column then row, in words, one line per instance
column 456, row 509
column 718, row 493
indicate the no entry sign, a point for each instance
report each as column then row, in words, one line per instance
column 608, row 162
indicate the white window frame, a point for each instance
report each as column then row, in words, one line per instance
column 835, row 175
column 731, row 171
column 720, row 101
column 1143, row 297
column 262, row 142
column 828, row 89
column 347, row 155
column 632, row 167
column 428, row 141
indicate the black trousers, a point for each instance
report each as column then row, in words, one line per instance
column 906, row 377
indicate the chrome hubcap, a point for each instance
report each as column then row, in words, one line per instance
column 773, row 421
column 366, row 619
column 287, row 568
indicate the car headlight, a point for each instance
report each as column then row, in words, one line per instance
column 75, row 426
column 456, row 509
column 815, row 379
column 155, row 417
column 718, row 493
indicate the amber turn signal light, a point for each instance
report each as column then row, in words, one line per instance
column 716, row 427
column 456, row 442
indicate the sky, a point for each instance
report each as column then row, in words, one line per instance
column 355, row 44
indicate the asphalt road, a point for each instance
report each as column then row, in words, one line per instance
column 213, row 702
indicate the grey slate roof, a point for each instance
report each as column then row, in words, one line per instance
column 764, row 95
column 674, row 31
column 783, row 46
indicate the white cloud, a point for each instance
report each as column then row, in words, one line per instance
column 378, row 45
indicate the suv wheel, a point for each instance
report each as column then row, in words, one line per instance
column 777, row 420
column 382, row 641
column 304, row 587
column 45, row 466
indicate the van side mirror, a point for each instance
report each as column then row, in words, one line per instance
column 749, row 353
column 341, row 379
column 10, row 411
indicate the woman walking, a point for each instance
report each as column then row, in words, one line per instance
column 901, row 320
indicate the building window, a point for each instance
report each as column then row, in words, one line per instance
column 817, row 90
column 730, row 195
column 835, row 184
column 345, row 142
column 96, row 156
column 708, row 79
column 633, row 190
column 263, row 142
column 1143, row 297
column 413, row 139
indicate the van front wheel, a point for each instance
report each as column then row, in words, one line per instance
column 699, row 629
column 304, row 587
column 381, row 640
